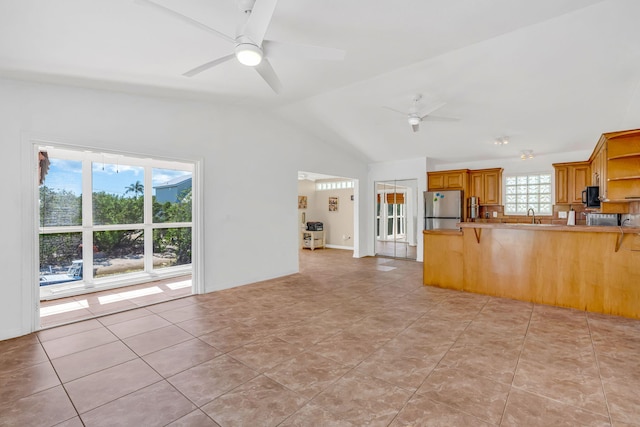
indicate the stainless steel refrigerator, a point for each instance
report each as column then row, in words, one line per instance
column 442, row 209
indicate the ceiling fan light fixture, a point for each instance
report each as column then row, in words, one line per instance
column 413, row 121
column 248, row 54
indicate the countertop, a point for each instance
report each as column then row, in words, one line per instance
column 454, row 232
column 550, row 227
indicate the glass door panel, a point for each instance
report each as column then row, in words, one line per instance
column 396, row 213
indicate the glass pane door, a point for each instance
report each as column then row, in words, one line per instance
column 396, row 218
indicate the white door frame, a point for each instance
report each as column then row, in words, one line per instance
column 30, row 301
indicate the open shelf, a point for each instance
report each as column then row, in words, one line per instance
column 622, row 178
column 624, row 156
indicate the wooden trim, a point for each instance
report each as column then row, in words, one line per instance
column 549, row 227
column 478, row 233
column 448, row 231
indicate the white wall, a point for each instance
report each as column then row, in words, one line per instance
column 338, row 225
column 385, row 171
column 249, row 176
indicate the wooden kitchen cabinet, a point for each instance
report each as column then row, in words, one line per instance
column 447, row 180
column 623, row 166
column 571, row 180
column 599, row 169
column 486, row 184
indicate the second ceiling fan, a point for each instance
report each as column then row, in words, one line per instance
column 415, row 116
column 250, row 47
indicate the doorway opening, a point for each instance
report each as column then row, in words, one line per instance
column 332, row 201
column 106, row 221
column 396, row 218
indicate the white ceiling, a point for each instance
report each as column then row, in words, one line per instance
column 552, row 75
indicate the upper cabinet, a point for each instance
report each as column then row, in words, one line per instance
column 571, row 180
column 447, row 180
column 615, row 168
column 486, row 185
column 623, row 166
column 599, row 168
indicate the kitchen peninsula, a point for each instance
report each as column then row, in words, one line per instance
column 592, row 268
column 589, row 268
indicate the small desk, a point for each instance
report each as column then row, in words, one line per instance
column 312, row 239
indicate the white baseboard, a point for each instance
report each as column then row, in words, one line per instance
column 348, row 248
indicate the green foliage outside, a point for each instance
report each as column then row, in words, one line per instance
column 59, row 208
column 176, row 240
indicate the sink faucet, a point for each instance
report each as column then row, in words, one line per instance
column 533, row 213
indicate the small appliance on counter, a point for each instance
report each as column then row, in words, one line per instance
column 603, row 219
column 474, row 207
column 442, row 209
column 591, row 196
column 314, row 226
column 571, row 218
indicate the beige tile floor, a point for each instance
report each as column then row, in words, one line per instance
column 346, row 342
column 396, row 250
column 81, row 307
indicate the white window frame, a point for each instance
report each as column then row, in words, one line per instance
column 89, row 283
column 334, row 185
column 29, row 300
column 384, row 217
column 537, row 207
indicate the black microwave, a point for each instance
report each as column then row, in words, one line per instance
column 591, row 196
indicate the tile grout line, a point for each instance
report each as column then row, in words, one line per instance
column 515, row 370
column 415, row 392
column 66, row 392
column 595, row 355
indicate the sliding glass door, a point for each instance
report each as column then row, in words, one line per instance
column 108, row 220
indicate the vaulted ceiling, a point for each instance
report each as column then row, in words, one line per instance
column 551, row 75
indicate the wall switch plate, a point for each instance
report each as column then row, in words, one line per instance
column 562, row 214
column 495, row 214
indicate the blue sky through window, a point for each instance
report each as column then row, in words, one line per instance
column 110, row 178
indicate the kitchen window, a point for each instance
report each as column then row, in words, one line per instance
column 524, row 192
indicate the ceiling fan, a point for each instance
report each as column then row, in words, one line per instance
column 251, row 49
column 414, row 116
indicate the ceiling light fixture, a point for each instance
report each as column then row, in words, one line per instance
column 527, row 154
column 501, row 141
column 248, row 54
column 414, row 120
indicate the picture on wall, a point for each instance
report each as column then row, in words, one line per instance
column 302, row 202
column 333, row 204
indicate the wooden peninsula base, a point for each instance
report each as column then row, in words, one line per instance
column 589, row 268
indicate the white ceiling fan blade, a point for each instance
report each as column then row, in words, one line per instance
column 269, row 75
column 440, row 119
column 415, row 127
column 297, row 51
column 208, row 65
column 404, row 113
column 259, row 20
column 185, row 19
column 426, row 113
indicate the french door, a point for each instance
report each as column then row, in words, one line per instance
column 396, row 218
